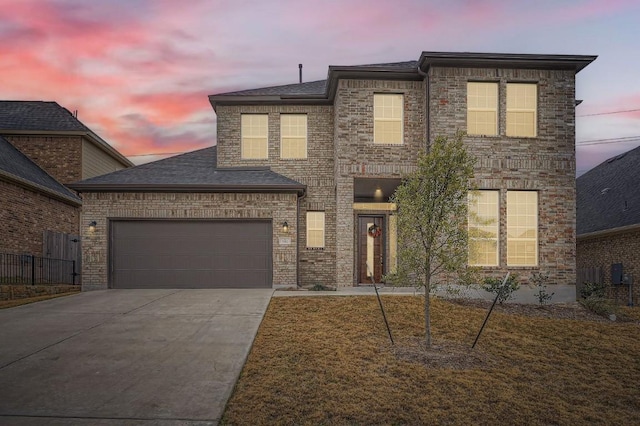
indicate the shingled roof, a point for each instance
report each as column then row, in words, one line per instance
column 608, row 196
column 194, row 171
column 38, row 116
column 19, row 169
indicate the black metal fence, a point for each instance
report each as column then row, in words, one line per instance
column 28, row 269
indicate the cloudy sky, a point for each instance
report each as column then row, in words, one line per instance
column 139, row 71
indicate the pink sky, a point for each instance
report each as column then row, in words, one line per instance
column 139, row 71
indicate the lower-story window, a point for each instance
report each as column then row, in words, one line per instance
column 483, row 228
column 315, row 229
column 522, row 228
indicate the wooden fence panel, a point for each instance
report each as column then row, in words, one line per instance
column 57, row 245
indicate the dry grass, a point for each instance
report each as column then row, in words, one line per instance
column 18, row 302
column 328, row 360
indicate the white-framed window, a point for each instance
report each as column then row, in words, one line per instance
column 522, row 109
column 254, row 135
column 522, row 228
column 484, row 225
column 293, row 136
column 315, row 229
column 388, row 116
column 482, row 108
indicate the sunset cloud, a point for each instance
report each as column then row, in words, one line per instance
column 139, row 71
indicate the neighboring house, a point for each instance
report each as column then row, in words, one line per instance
column 57, row 141
column 608, row 222
column 45, row 147
column 32, row 201
column 343, row 145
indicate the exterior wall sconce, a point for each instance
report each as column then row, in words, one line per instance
column 92, row 226
column 285, row 227
column 377, row 195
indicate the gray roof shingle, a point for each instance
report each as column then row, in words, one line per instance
column 319, row 87
column 309, row 88
column 38, row 116
column 193, row 171
column 608, row 196
column 16, row 166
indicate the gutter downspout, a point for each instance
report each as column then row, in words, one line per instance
column 427, row 95
column 300, row 198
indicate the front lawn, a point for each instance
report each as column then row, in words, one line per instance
column 328, row 360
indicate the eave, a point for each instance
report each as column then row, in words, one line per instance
column 504, row 60
column 299, row 189
column 608, row 232
column 32, row 186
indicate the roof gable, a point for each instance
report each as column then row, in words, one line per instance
column 608, row 196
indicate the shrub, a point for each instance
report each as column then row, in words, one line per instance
column 540, row 281
column 593, row 290
column 601, row 306
column 494, row 285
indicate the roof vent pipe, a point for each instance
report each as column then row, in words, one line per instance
column 300, row 71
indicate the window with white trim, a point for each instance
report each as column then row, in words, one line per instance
column 315, row 229
column 254, row 136
column 293, row 136
column 483, row 222
column 522, row 109
column 522, row 228
column 482, row 108
column 388, row 112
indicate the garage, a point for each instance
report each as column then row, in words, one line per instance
column 191, row 254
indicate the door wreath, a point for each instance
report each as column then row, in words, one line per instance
column 374, row 231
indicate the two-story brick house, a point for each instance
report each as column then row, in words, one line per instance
column 337, row 149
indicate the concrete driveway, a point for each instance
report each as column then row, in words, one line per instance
column 126, row 356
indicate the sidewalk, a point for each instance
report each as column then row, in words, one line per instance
column 525, row 295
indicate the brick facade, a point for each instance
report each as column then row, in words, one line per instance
column 603, row 251
column 60, row 156
column 101, row 207
column 341, row 149
column 316, row 172
column 25, row 214
column 356, row 156
column 545, row 163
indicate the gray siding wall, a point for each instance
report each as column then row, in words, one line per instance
column 96, row 162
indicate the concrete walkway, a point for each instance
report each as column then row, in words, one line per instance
column 138, row 357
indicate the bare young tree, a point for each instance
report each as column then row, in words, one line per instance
column 432, row 217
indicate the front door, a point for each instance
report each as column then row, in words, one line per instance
column 371, row 237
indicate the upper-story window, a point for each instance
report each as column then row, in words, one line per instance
column 522, row 104
column 482, row 108
column 293, row 136
column 388, row 118
column 254, row 135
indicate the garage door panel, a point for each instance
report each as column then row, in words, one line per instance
column 191, row 254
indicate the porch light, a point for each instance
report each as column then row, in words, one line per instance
column 92, row 226
column 377, row 195
column 285, row 227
